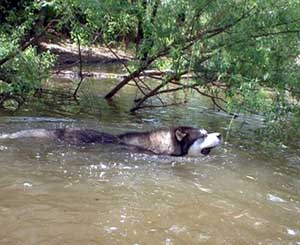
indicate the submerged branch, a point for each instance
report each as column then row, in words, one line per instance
column 150, row 94
column 80, row 70
column 160, row 106
column 180, row 86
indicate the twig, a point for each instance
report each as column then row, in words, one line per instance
column 80, row 69
column 159, row 106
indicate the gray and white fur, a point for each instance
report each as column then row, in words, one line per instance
column 177, row 141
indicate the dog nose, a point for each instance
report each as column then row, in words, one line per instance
column 219, row 136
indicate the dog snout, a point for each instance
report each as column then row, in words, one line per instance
column 219, row 136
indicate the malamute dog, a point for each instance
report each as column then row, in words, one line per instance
column 176, row 141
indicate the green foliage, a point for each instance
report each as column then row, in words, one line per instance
column 243, row 54
column 25, row 71
column 22, row 68
column 30, row 69
column 249, row 47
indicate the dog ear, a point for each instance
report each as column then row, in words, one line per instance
column 179, row 134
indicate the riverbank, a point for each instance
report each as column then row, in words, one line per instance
column 67, row 54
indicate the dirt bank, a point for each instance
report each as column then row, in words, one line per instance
column 68, row 55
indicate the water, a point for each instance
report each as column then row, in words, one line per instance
column 242, row 193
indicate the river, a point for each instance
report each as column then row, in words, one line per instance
column 242, row 193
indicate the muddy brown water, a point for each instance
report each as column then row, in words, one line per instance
column 57, row 194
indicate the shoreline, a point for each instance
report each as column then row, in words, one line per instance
column 67, row 54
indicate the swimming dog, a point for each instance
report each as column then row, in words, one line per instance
column 176, row 141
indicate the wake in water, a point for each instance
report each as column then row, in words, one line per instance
column 36, row 133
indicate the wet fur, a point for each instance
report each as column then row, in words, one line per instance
column 163, row 141
column 174, row 141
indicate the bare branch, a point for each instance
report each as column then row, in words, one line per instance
column 80, row 69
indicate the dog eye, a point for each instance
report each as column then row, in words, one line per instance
column 203, row 133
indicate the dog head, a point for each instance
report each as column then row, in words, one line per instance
column 205, row 144
column 196, row 142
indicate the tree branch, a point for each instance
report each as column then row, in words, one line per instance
column 155, row 90
column 80, row 69
column 135, row 74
